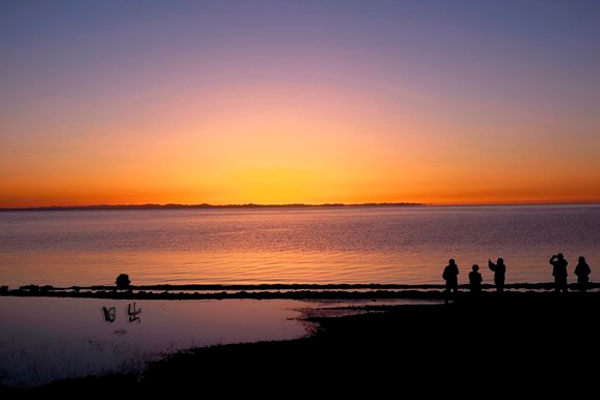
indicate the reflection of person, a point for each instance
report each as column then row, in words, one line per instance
column 475, row 279
column 110, row 314
column 582, row 270
column 499, row 272
column 559, row 271
column 451, row 276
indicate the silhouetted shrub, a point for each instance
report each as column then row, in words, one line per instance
column 123, row 281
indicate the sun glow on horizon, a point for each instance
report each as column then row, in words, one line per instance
column 298, row 104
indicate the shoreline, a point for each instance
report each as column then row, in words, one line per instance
column 206, row 206
column 254, row 206
column 274, row 291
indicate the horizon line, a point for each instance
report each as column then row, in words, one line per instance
column 151, row 206
column 202, row 205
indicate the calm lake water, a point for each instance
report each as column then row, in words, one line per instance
column 321, row 245
column 42, row 340
column 45, row 339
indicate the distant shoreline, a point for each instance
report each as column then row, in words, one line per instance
column 172, row 206
column 254, row 206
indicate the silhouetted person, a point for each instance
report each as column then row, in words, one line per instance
column 582, row 270
column 499, row 272
column 559, row 272
column 451, row 276
column 475, row 279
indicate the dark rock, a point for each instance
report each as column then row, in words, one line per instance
column 123, row 281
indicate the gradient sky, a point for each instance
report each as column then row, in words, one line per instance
column 112, row 102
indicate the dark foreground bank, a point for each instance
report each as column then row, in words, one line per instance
column 526, row 342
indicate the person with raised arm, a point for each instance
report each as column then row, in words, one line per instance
column 559, row 272
column 499, row 270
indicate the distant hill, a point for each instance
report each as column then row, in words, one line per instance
column 204, row 206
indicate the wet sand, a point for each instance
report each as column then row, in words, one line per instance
column 530, row 342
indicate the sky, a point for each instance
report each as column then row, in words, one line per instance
column 440, row 102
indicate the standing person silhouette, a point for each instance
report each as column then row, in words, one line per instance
column 499, row 272
column 451, row 276
column 582, row 270
column 475, row 279
column 559, row 272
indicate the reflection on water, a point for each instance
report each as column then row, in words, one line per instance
column 133, row 313
column 43, row 339
column 110, row 313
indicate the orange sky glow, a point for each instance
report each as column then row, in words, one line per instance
column 278, row 117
